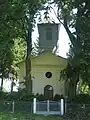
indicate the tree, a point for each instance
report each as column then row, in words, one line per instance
column 75, row 24
column 17, row 21
column 35, row 48
column 31, row 11
column 6, row 58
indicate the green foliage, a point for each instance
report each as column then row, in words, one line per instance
column 11, row 96
column 57, row 97
column 18, row 96
column 40, row 97
column 84, row 88
column 3, row 95
column 19, row 50
column 82, row 31
column 27, row 98
column 19, row 53
column 35, row 48
column 75, row 17
column 17, row 19
column 81, row 99
column 24, row 116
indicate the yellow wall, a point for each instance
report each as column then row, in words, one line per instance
column 46, row 62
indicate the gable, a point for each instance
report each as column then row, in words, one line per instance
column 48, row 59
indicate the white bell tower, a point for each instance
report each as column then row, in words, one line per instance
column 48, row 36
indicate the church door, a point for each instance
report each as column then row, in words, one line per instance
column 48, row 92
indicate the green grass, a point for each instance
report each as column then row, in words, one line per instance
column 11, row 116
column 23, row 116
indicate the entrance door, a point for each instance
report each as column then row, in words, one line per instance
column 48, row 92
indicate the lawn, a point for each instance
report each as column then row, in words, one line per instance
column 23, row 116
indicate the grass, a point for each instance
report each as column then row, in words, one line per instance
column 23, row 116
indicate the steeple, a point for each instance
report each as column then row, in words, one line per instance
column 48, row 36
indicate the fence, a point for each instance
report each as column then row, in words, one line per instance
column 18, row 106
column 48, row 107
column 43, row 107
column 77, row 107
column 38, row 107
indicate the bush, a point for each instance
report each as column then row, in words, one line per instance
column 27, row 97
column 57, row 97
column 11, row 96
column 82, row 98
column 3, row 95
column 21, row 95
column 40, row 97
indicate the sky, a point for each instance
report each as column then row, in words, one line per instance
column 7, row 85
column 63, row 42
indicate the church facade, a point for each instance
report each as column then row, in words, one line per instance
column 47, row 66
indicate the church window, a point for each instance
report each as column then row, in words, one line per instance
column 48, row 92
column 48, row 74
column 49, row 34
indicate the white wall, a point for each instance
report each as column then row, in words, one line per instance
column 40, row 80
column 39, row 66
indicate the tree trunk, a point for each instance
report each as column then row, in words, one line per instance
column 66, row 88
column 28, row 76
column 12, row 85
column 28, row 62
column 1, row 83
column 72, row 90
column 70, row 85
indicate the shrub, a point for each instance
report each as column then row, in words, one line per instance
column 27, row 97
column 21, row 95
column 3, row 95
column 40, row 97
column 81, row 98
column 57, row 97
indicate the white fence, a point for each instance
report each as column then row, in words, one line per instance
column 48, row 107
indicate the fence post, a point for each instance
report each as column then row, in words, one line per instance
column 83, row 106
column 34, row 105
column 62, row 106
column 66, row 104
column 13, row 106
column 48, row 106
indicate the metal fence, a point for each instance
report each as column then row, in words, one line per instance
column 5, row 106
column 48, row 107
column 17, row 106
column 77, row 107
column 42, row 107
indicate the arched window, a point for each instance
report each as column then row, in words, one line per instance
column 48, row 92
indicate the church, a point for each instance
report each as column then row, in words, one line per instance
column 46, row 66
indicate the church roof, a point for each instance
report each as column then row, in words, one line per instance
column 45, row 53
column 48, row 52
